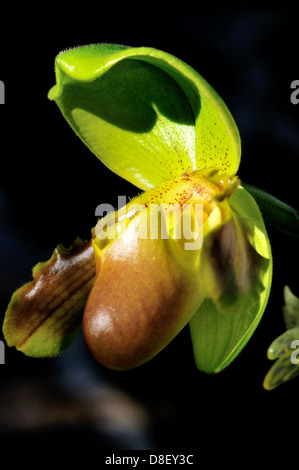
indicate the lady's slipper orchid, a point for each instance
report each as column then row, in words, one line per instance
column 157, row 123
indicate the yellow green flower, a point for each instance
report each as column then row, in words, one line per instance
column 157, row 123
column 284, row 349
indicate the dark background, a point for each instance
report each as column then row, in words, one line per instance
column 50, row 186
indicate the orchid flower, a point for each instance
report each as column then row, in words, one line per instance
column 284, row 349
column 157, row 123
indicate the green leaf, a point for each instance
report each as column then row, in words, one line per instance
column 145, row 114
column 219, row 333
column 275, row 212
column 45, row 315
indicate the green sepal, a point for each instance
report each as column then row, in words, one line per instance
column 145, row 114
column 220, row 330
column 45, row 315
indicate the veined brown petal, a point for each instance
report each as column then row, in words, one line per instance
column 44, row 316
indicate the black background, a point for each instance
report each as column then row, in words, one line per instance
column 51, row 185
